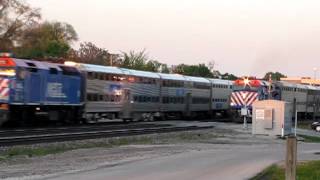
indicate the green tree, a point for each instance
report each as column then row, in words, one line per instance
column 200, row 70
column 274, row 76
column 134, row 60
column 15, row 17
column 164, row 68
column 90, row 53
column 152, row 66
column 139, row 61
column 229, row 76
column 47, row 40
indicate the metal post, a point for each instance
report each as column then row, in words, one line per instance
column 245, row 124
column 291, row 158
column 296, row 124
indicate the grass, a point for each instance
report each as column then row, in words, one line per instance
column 310, row 139
column 304, row 124
column 55, row 148
column 273, row 172
column 305, row 171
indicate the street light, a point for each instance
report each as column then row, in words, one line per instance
column 315, row 73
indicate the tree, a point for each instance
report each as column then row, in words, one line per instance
column 141, row 61
column 90, row 53
column 274, row 76
column 152, row 66
column 229, row 76
column 46, row 40
column 134, row 60
column 15, row 17
column 164, row 68
column 200, row 70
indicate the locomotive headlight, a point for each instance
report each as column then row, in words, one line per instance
column 246, row 81
column 7, row 72
column 70, row 63
column 118, row 92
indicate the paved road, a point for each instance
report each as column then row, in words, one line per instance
column 221, row 162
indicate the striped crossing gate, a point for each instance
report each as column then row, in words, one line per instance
column 243, row 98
column 4, row 88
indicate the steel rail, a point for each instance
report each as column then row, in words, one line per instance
column 68, row 136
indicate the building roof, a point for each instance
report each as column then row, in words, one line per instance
column 302, row 80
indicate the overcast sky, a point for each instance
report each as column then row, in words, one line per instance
column 245, row 37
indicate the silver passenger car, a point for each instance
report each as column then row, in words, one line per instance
column 173, row 95
column 199, row 96
column 142, row 90
column 221, row 90
column 103, row 91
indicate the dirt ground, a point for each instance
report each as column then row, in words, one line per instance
column 223, row 135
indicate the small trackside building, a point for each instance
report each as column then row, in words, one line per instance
column 271, row 117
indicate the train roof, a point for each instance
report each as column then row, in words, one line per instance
column 221, row 81
column 26, row 63
column 287, row 84
column 294, row 85
column 197, row 79
column 99, row 68
column 312, row 87
column 177, row 77
column 140, row 73
column 32, row 63
column 302, row 86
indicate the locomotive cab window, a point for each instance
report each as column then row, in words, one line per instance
column 53, row 71
column 32, row 67
column 70, row 71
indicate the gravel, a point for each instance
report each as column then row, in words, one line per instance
column 42, row 167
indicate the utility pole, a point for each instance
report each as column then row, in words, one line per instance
column 212, row 65
column 269, row 88
column 291, row 158
column 315, row 75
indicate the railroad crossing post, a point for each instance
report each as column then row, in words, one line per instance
column 291, row 158
column 244, row 113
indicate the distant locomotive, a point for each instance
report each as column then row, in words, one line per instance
column 305, row 99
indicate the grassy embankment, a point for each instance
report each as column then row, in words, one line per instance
column 305, row 171
column 305, row 124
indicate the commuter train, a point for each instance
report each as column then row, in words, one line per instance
column 303, row 99
column 112, row 92
column 74, row 92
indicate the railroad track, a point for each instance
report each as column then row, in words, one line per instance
column 65, row 135
column 35, row 131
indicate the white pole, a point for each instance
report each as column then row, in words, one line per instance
column 296, row 124
column 245, row 126
column 244, row 122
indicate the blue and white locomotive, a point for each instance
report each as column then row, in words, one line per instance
column 32, row 89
